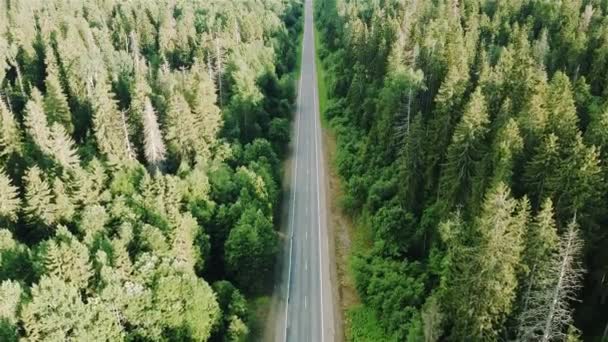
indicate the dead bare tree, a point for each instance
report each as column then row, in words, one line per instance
column 154, row 148
column 548, row 310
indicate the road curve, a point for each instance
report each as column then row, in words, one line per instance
column 306, row 311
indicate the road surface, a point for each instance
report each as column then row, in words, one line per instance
column 306, row 310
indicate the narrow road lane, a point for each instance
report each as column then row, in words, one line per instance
column 307, row 312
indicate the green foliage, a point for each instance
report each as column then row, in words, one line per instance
column 9, row 202
column 365, row 326
column 382, row 286
column 250, row 249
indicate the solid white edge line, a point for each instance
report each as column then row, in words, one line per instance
column 317, row 118
column 295, row 177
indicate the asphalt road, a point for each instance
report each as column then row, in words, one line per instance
column 307, row 308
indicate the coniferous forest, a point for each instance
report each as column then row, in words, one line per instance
column 140, row 149
column 473, row 147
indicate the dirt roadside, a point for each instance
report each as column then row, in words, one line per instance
column 340, row 242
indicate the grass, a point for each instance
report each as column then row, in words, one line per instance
column 364, row 326
column 321, row 85
column 298, row 68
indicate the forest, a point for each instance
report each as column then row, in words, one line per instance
column 473, row 148
column 140, row 165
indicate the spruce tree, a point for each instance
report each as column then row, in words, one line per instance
column 10, row 300
column 563, row 121
column 39, row 205
column 65, row 258
column 464, row 151
column 36, row 123
column 9, row 198
column 182, row 128
column 64, row 204
column 540, row 173
column 507, row 147
column 10, row 136
column 481, row 287
column 52, row 141
column 110, row 126
column 63, row 147
column 55, row 101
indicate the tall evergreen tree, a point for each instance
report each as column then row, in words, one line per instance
column 9, row 198
column 464, row 151
column 52, row 141
column 562, row 121
column 38, row 198
column 67, row 259
column 182, row 128
column 10, row 136
column 55, row 101
column 481, row 283
column 110, row 126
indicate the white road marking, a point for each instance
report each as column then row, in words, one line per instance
column 305, row 302
column 307, row 235
column 316, row 111
column 306, row 265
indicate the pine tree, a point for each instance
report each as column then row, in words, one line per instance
column 540, row 246
column 53, row 141
column 67, row 259
column 562, row 121
column 464, row 151
column 507, row 147
column 10, row 136
column 540, row 173
column 541, row 240
column 481, row 285
column 581, row 182
column 63, row 147
column 549, row 312
column 154, row 147
column 38, row 198
column 110, row 126
column 36, row 123
column 535, row 115
column 90, row 184
column 10, row 300
column 140, row 91
column 64, row 206
column 183, row 243
column 597, row 132
column 55, row 102
column 200, row 93
column 182, row 128
column 413, row 164
column 9, row 198
column 92, row 222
